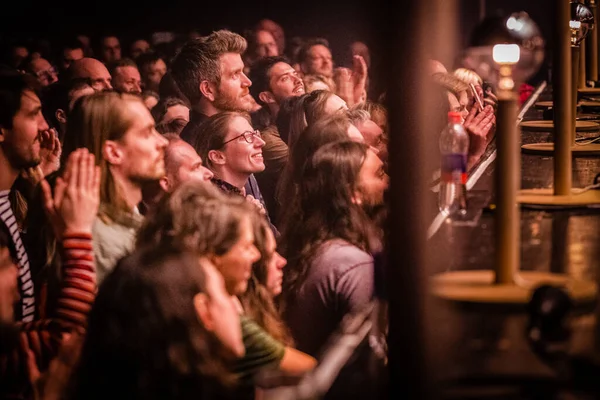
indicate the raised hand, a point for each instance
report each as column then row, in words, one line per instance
column 478, row 126
column 359, row 79
column 76, row 199
column 50, row 150
column 343, row 83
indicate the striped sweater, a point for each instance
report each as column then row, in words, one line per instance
column 43, row 337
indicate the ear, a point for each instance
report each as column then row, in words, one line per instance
column 201, row 305
column 61, row 116
column 208, row 90
column 165, row 184
column 112, row 152
column 357, row 198
column 266, row 97
column 2, row 135
column 216, row 157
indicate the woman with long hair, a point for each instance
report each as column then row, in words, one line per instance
column 162, row 327
column 199, row 218
column 265, row 284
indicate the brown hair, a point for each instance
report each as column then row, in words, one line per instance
column 211, row 134
column 95, row 119
column 199, row 60
column 197, row 217
column 257, row 300
column 327, row 130
column 330, row 173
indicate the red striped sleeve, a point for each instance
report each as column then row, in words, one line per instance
column 77, row 294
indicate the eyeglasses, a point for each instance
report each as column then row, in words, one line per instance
column 248, row 136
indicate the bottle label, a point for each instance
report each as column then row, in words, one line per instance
column 454, row 168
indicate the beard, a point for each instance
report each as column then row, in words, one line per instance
column 226, row 102
column 19, row 160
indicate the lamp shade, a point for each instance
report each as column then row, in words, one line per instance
column 514, row 40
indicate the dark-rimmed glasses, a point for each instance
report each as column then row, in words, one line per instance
column 248, row 137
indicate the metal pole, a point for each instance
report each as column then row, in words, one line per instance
column 507, row 181
column 562, row 93
column 592, row 46
column 574, row 80
column 582, row 63
column 410, row 34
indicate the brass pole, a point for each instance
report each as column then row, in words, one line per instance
column 507, row 181
column 562, row 94
column 582, row 63
column 592, row 46
column 574, row 77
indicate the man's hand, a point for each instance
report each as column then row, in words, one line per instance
column 50, row 150
column 76, row 199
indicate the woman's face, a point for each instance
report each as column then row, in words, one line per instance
column 217, row 311
column 274, row 263
column 236, row 264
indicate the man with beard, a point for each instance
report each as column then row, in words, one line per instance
column 21, row 127
column 330, row 271
column 210, row 73
column 274, row 80
column 131, row 154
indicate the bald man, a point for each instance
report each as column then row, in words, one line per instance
column 94, row 71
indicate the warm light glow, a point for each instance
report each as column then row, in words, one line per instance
column 514, row 24
column 575, row 24
column 506, row 53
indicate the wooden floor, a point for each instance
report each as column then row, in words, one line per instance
column 481, row 345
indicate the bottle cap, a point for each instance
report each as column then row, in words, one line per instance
column 454, row 117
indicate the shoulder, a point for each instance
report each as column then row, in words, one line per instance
column 342, row 255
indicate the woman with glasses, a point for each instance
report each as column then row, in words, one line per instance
column 232, row 150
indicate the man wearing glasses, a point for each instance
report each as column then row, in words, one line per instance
column 43, row 71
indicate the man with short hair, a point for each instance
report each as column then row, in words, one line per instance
column 275, row 29
column 44, row 72
column 182, row 164
column 110, row 48
column 210, row 73
column 21, row 128
column 71, row 51
column 138, row 47
column 125, row 76
column 274, row 80
column 152, row 67
column 315, row 58
column 93, row 71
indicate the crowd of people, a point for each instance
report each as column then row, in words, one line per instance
column 180, row 216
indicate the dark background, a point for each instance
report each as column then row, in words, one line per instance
column 340, row 23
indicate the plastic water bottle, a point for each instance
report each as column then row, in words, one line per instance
column 454, row 148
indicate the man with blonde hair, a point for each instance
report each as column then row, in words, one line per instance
column 210, row 73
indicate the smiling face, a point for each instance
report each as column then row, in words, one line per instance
column 21, row 143
column 241, row 157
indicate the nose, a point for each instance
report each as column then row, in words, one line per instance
column 207, row 174
column 246, row 82
column 255, row 254
column 137, row 87
column 281, row 261
column 43, row 125
column 107, row 85
column 259, row 142
column 162, row 141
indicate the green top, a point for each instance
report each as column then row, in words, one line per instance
column 261, row 351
